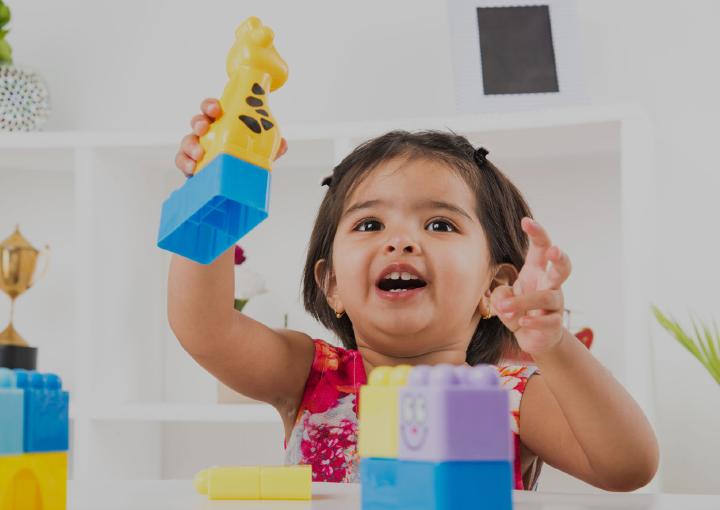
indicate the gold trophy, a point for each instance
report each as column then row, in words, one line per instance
column 17, row 267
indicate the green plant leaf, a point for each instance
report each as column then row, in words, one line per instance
column 4, row 14
column 5, row 53
column 707, row 355
column 712, row 352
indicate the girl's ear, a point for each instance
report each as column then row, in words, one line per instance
column 506, row 274
column 329, row 286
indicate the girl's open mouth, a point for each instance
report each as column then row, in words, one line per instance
column 400, row 286
column 400, row 282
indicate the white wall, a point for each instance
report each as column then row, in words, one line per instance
column 663, row 54
column 147, row 65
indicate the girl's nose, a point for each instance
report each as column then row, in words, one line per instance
column 402, row 242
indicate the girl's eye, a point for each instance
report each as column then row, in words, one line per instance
column 369, row 226
column 440, row 226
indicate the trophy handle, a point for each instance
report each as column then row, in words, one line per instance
column 46, row 253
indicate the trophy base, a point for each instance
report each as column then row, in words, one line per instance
column 214, row 209
column 17, row 356
column 12, row 337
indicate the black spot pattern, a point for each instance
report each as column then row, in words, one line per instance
column 251, row 123
column 263, row 112
column 253, row 101
column 257, row 89
column 266, row 124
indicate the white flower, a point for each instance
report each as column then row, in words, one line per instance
column 248, row 283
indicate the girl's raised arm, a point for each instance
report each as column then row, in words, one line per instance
column 249, row 357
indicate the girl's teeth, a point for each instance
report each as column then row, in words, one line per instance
column 404, row 276
column 398, row 290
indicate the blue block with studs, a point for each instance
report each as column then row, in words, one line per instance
column 46, row 412
column 217, row 206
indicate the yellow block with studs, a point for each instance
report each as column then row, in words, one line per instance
column 379, row 410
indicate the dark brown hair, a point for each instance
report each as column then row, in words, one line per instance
column 499, row 206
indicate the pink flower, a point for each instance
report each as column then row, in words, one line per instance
column 239, row 255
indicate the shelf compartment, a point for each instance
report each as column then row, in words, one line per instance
column 186, row 413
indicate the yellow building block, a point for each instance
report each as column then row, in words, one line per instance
column 33, row 481
column 286, row 482
column 255, row 482
column 379, row 410
column 229, row 482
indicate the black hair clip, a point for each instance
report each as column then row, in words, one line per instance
column 480, row 154
column 326, row 180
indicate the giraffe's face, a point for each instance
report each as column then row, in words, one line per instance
column 254, row 48
column 416, row 218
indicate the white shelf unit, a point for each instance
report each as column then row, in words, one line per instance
column 587, row 173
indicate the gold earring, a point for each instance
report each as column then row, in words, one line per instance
column 488, row 314
column 338, row 315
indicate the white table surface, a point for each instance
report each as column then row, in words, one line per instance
column 180, row 495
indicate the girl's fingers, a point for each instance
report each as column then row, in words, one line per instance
column 551, row 322
column 547, row 300
column 190, row 145
column 200, row 124
column 211, row 108
column 282, row 150
column 184, row 163
column 499, row 294
column 560, row 269
column 539, row 243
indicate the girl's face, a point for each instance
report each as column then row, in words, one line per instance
column 416, row 224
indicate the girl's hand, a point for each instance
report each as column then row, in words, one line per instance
column 190, row 149
column 533, row 307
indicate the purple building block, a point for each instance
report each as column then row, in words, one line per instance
column 448, row 413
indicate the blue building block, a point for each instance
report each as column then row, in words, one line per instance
column 12, row 414
column 378, row 479
column 389, row 484
column 46, row 412
column 214, row 209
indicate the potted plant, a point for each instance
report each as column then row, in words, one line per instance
column 247, row 283
column 24, row 96
column 706, row 349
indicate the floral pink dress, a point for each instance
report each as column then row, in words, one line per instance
column 326, row 429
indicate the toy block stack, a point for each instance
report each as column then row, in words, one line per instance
column 229, row 194
column 33, row 441
column 438, row 438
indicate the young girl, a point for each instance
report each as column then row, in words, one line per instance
column 422, row 253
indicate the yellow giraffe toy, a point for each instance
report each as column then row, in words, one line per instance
column 246, row 127
column 231, row 195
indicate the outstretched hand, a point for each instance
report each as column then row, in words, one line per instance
column 533, row 307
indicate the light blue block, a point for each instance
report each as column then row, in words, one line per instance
column 378, row 480
column 224, row 201
column 12, row 414
column 389, row 484
column 46, row 412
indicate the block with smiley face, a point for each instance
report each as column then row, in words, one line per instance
column 448, row 413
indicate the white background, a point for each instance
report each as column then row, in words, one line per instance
column 147, row 65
